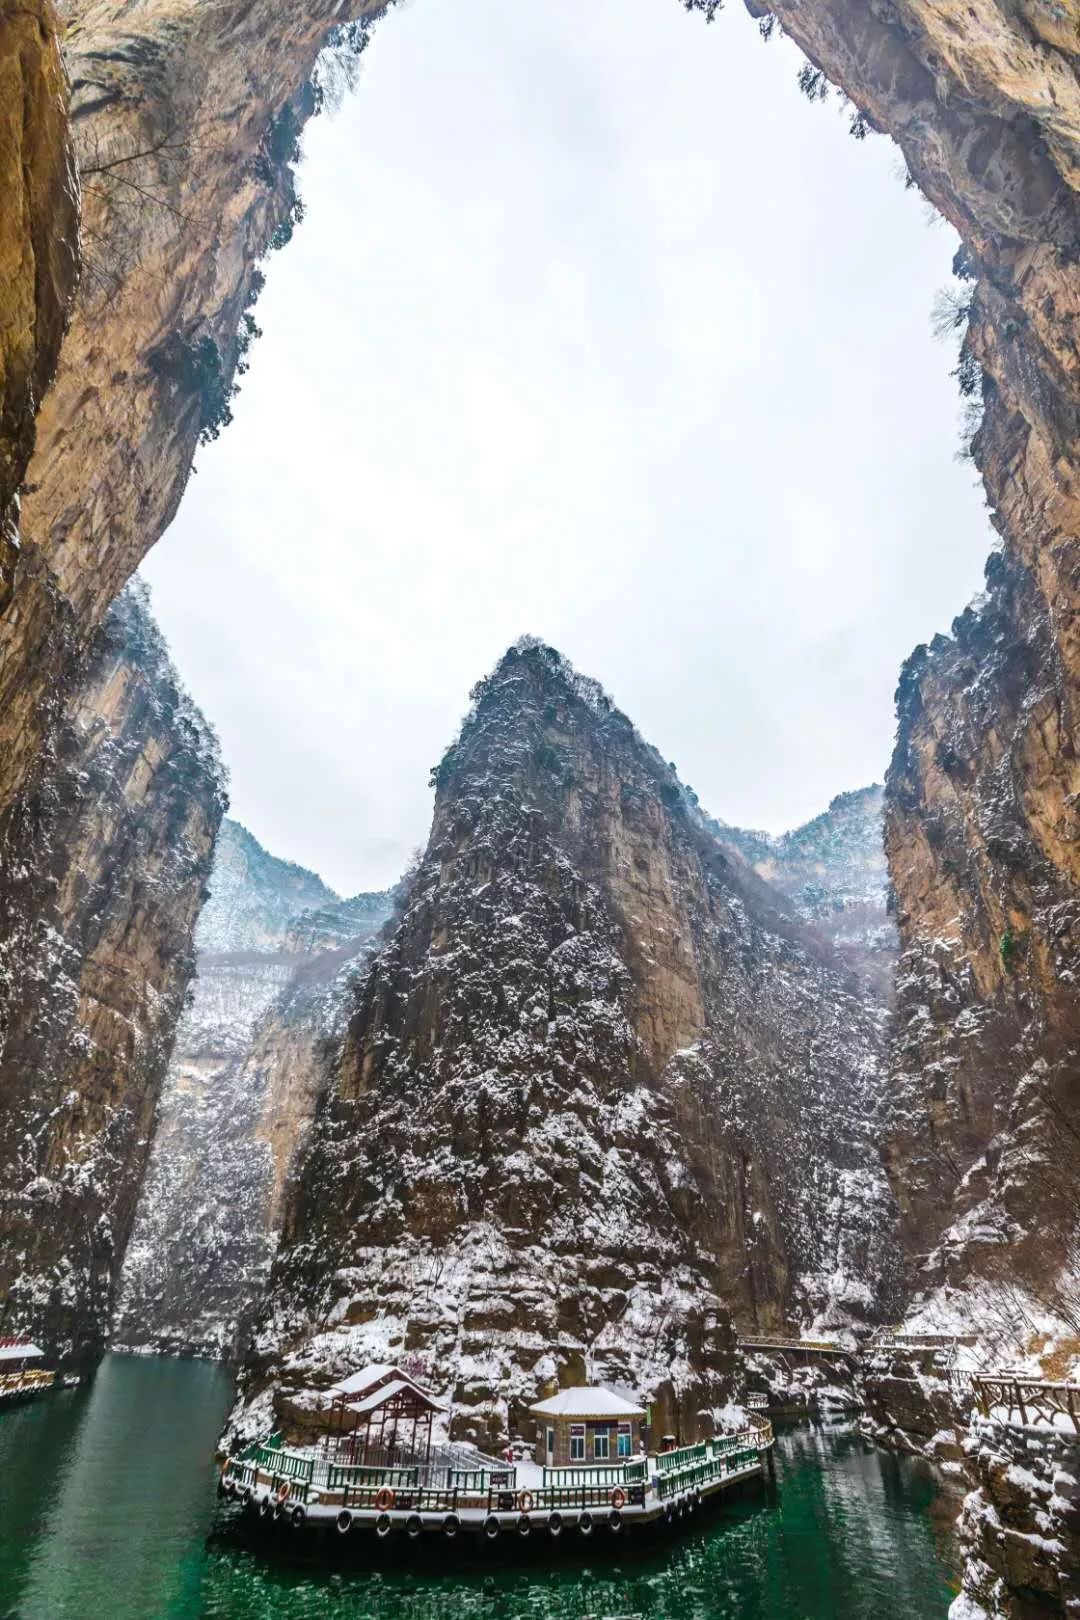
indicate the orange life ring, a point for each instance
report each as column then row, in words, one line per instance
column 283, row 1492
column 525, row 1501
column 384, row 1498
column 618, row 1497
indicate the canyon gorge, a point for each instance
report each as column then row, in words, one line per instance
column 605, row 1081
column 600, row 1092
column 274, row 949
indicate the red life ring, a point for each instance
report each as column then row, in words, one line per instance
column 384, row 1498
column 283, row 1492
column 525, row 1501
column 618, row 1497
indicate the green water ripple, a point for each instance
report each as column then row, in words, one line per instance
column 107, row 1510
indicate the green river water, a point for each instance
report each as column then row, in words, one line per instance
column 108, row 1512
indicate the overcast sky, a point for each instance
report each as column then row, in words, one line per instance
column 595, row 329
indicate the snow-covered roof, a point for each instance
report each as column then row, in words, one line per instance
column 587, row 1402
column 18, row 1350
column 358, row 1383
column 386, row 1392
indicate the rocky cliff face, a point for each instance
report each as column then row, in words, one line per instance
column 104, row 862
column 833, row 871
column 600, row 1091
column 984, row 101
column 38, row 267
column 38, row 251
column 241, row 1089
column 1020, row 1525
column 184, row 122
column 985, row 1115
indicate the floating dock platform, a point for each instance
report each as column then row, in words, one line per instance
column 293, row 1490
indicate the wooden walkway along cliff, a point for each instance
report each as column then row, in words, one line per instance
column 812, row 1349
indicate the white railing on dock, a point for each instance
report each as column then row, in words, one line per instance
column 30, row 1382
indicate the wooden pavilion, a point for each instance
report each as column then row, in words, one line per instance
column 382, row 1417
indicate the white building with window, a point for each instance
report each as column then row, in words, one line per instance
column 586, row 1426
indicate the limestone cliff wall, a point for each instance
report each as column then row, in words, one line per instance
column 104, row 862
column 38, row 248
column 39, row 200
column 985, row 1116
column 984, row 101
column 600, row 1092
column 274, row 949
column 184, row 120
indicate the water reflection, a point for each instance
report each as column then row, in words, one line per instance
column 847, row 1535
column 107, row 1509
column 129, row 1497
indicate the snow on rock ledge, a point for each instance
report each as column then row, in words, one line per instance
column 601, row 1091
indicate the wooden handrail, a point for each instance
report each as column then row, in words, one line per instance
column 778, row 1342
column 1041, row 1398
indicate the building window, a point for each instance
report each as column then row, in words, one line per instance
column 577, row 1442
column 601, row 1445
column 624, row 1440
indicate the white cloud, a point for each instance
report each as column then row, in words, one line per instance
column 595, row 328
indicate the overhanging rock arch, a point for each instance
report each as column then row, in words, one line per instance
column 183, row 122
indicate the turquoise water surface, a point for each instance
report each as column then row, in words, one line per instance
column 107, row 1509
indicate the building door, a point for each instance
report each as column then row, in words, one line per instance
column 551, row 1448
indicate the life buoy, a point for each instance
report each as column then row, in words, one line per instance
column 525, row 1501
column 618, row 1497
column 283, row 1492
column 343, row 1522
column 384, row 1499
column 585, row 1524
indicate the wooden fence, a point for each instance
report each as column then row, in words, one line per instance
column 1034, row 1399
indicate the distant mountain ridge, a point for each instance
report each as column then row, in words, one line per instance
column 272, row 938
column 254, row 895
column 834, row 871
